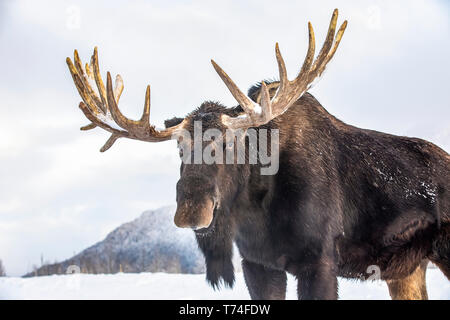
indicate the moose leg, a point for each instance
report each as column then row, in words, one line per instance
column 264, row 283
column 317, row 281
column 440, row 253
column 412, row 287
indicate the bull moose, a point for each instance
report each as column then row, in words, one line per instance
column 342, row 199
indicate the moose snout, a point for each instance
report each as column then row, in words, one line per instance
column 189, row 215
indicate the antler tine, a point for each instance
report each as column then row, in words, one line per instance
column 89, row 126
column 87, row 87
column 91, row 76
column 281, row 68
column 145, row 119
column 240, row 97
column 89, row 71
column 265, row 102
column 117, row 115
column 118, row 84
column 330, row 55
column 108, row 144
column 98, row 80
column 311, row 50
column 321, row 58
column 118, row 88
column 81, row 87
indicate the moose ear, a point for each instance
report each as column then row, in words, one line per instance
column 173, row 122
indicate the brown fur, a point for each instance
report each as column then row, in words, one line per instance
column 412, row 287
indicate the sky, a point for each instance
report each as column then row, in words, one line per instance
column 59, row 194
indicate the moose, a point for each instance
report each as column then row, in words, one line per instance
column 343, row 198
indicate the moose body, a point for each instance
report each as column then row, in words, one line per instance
column 345, row 201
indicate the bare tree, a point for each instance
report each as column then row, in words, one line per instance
column 2, row 269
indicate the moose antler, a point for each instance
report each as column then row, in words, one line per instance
column 288, row 91
column 100, row 106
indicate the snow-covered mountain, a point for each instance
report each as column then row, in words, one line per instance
column 150, row 243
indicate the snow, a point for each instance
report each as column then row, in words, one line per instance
column 108, row 120
column 179, row 286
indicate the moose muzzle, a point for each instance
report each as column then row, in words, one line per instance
column 194, row 216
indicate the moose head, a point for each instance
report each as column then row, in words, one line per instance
column 203, row 186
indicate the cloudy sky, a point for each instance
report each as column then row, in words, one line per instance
column 59, row 194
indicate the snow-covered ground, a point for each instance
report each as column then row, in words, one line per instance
column 178, row 286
